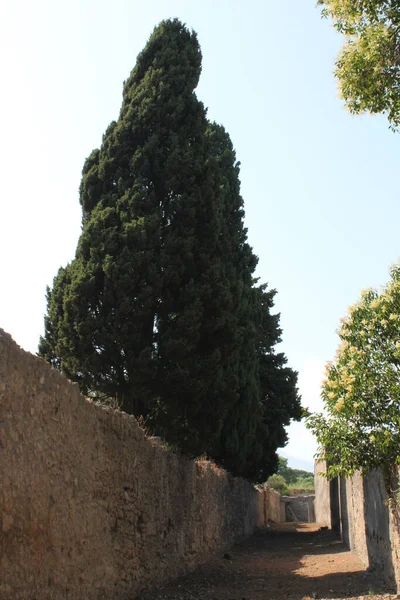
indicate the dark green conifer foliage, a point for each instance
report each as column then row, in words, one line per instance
column 160, row 308
column 266, row 394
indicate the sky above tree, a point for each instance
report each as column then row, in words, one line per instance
column 318, row 185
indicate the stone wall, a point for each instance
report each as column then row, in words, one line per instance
column 322, row 495
column 353, row 516
column 91, row 508
column 372, row 531
column 367, row 525
column 272, row 501
column 298, row 509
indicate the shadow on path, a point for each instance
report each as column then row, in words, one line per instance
column 287, row 561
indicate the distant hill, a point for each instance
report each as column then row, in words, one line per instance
column 297, row 463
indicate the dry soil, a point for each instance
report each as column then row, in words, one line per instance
column 280, row 562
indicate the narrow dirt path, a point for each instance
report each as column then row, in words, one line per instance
column 289, row 561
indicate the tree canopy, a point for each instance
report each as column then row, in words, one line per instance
column 292, row 476
column 160, row 308
column 368, row 66
column 361, row 425
column 288, row 481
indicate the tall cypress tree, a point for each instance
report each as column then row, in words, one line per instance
column 160, row 308
column 104, row 314
column 266, row 396
column 200, row 335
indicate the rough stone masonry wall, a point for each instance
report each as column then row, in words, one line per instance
column 372, row 531
column 272, row 504
column 91, row 508
column 299, row 509
column 367, row 525
column 352, row 510
column 322, row 495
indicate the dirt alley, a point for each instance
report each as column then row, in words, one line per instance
column 281, row 562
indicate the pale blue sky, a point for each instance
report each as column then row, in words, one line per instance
column 319, row 186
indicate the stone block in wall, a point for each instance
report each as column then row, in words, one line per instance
column 322, row 495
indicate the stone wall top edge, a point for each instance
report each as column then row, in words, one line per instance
column 309, row 497
column 115, row 417
column 271, row 490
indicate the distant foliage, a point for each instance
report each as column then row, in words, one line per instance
column 301, row 484
column 160, row 308
column 361, row 425
column 278, row 483
column 368, row 67
column 294, row 479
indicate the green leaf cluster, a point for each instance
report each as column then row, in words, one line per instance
column 294, row 476
column 160, row 309
column 368, row 66
column 288, row 481
column 361, row 425
column 303, row 483
column 278, row 483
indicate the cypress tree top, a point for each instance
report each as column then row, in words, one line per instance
column 171, row 58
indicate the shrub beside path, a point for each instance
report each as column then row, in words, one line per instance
column 281, row 562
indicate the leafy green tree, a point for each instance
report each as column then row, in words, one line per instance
column 368, row 66
column 303, row 483
column 283, row 468
column 295, row 478
column 278, row 483
column 160, row 308
column 361, row 393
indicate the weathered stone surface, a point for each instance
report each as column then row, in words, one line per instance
column 92, row 508
column 272, row 505
column 298, row 509
column 322, row 495
column 367, row 524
